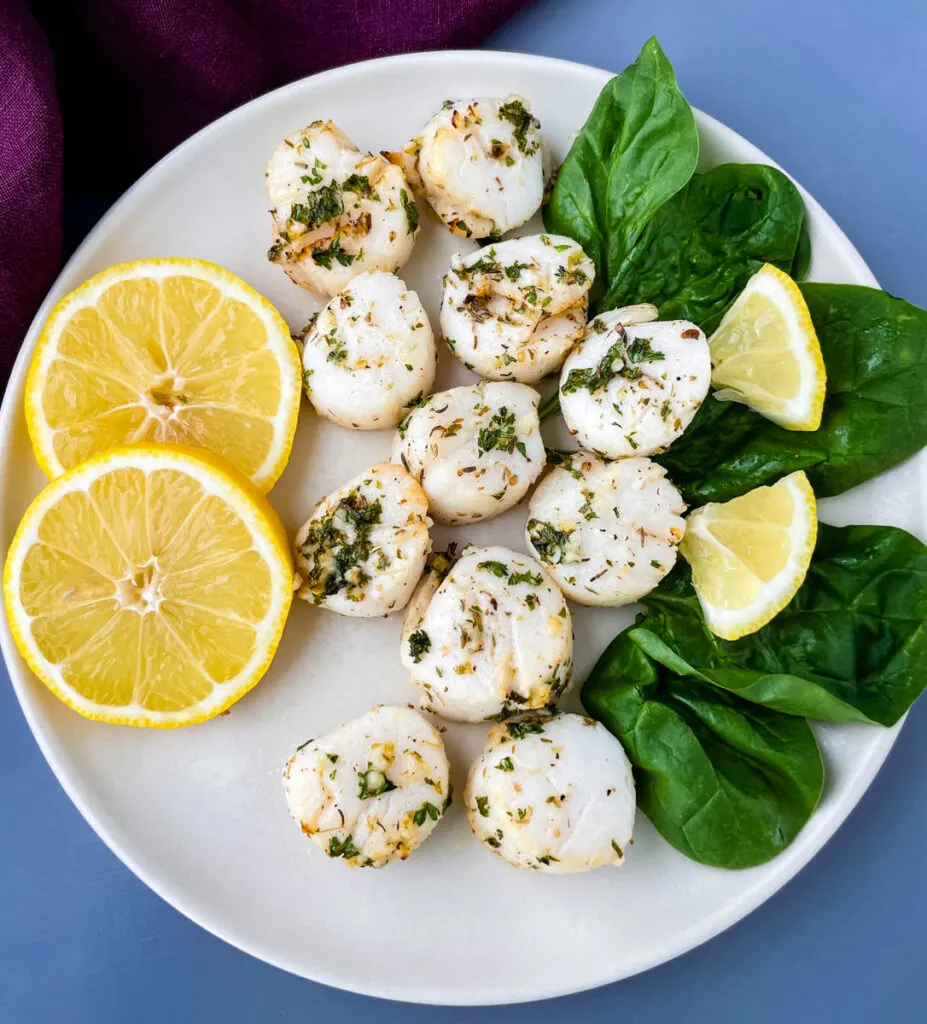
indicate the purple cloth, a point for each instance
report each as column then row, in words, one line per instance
column 129, row 79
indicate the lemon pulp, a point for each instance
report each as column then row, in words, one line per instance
column 750, row 555
column 765, row 353
column 165, row 350
column 149, row 586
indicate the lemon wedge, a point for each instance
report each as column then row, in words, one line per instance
column 149, row 585
column 765, row 353
column 165, row 350
column 750, row 555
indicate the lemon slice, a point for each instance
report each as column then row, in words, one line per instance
column 149, row 586
column 165, row 350
column 749, row 555
column 765, row 353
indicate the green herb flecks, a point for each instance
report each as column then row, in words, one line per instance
column 522, row 122
column 518, row 730
column 359, row 184
column 338, row 545
column 549, row 542
column 575, row 276
column 372, row 782
column 321, row 206
column 502, row 571
column 597, row 377
column 342, row 848
column 513, row 270
column 314, row 175
column 333, row 254
column 337, row 350
column 410, row 209
column 534, row 578
column 586, row 510
column 427, row 810
column 419, row 645
column 484, row 265
column 500, row 434
column 641, row 350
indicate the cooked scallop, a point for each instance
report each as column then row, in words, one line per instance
column 513, row 310
column 480, row 163
column 372, row 790
column 437, row 565
column 364, row 547
column 553, row 793
column 476, row 450
column 607, row 532
column 336, row 211
column 493, row 638
column 369, row 354
column 633, row 388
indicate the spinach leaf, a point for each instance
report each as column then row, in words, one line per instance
column 875, row 351
column 802, row 260
column 727, row 782
column 699, row 249
column 728, row 450
column 850, row 647
column 638, row 147
column 875, row 414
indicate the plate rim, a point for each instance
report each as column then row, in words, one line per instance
column 710, row 926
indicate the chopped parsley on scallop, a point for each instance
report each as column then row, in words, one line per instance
column 481, row 164
column 476, row 450
column 370, row 791
column 513, row 310
column 488, row 636
column 369, row 354
column 632, row 388
column 607, row 532
column 364, row 547
column 336, row 211
column 552, row 792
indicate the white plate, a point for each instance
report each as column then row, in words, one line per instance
column 199, row 813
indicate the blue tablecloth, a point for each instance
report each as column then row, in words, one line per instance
column 834, row 90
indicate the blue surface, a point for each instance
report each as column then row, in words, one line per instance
column 834, row 91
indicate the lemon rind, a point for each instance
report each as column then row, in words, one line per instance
column 87, row 294
column 218, row 477
column 732, row 625
column 804, row 412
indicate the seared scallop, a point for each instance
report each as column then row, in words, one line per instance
column 372, row 790
column 607, row 532
column 369, row 354
column 493, row 638
column 480, row 163
column 476, row 449
column 437, row 565
column 513, row 310
column 336, row 211
column 364, row 547
column 633, row 388
column 553, row 793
